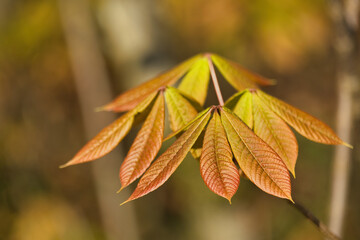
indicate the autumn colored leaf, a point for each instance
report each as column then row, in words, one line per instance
column 145, row 146
column 168, row 162
column 180, row 110
column 216, row 162
column 303, row 123
column 110, row 136
column 195, row 83
column 275, row 132
column 237, row 76
column 260, row 163
column 129, row 99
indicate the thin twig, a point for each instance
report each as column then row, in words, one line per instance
column 215, row 80
column 320, row 225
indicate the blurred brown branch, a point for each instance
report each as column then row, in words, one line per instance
column 92, row 84
column 345, row 19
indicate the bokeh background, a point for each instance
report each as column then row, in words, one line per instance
column 61, row 59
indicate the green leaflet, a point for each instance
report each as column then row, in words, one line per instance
column 181, row 130
column 243, row 109
column 195, row 83
column 181, row 111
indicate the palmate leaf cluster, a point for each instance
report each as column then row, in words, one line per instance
column 249, row 135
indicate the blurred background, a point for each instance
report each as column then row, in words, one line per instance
column 61, row 59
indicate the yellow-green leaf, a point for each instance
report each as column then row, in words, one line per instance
column 168, row 162
column 275, row 132
column 181, row 130
column 129, row 99
column 303, row 123
column 237, row 76
column 216, row 162
column 145, row 146
column 260, row 163
column 181, row 111
column 110, row 136
column 196, row 81
column 243, row 109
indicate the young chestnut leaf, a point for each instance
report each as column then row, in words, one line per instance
column 110, row 136
column 237, row 76
column 260, row 163
column 216, row 162
column 145, row 146
column 129, row 99
column 168, row 162
column 303, row 123
column 275, row 132
column 181, row 130
column 180, row 110
column 244, row 109
column 195, row 83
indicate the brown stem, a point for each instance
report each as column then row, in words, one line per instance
column 321, row 226
column 215, row 80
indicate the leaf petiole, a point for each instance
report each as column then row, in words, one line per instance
column 214, row 79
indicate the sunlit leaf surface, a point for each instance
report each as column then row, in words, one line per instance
column 303, row 123
column 275, row 132
column 167, row 163
column 237, row 76
column 110, row 136
column 195, row 83
column 216, row 162
column 145, row 146
column 129, row 99
column 260, row 163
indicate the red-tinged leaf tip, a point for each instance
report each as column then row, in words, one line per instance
column 305, row 124
column 160, row 171
column 110, row 136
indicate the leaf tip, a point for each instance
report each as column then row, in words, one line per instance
column 100, row 109
column 65, row 165
column 122, row 187
column 291, row 200
column 126, row 201
column 293, row 172
column 347, row 145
